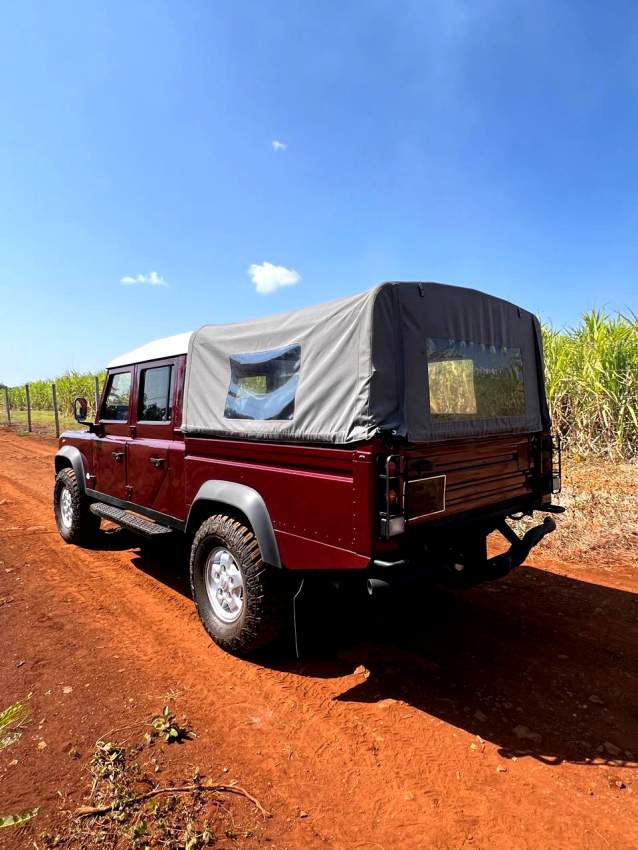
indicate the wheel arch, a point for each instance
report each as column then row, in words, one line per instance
column 242, row 503
column 71, row 457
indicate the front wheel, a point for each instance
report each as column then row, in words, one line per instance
column 75, row 521
column 242, row 602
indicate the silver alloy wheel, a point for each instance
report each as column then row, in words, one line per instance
column 224, row 585
column 66, row 507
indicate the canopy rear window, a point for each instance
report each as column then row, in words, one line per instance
column 469, row 380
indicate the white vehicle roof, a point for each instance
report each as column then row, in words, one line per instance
column 168, row 346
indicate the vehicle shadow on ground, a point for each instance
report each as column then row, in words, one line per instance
column 539, row 664
column 164, row 560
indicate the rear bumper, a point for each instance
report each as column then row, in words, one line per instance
column 472, row 572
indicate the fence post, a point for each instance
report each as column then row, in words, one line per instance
column 26, row 386
column 6, row 398
column 55, row 409
column 97, row 395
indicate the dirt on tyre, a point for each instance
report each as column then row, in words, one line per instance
column 242, row 602
column 75, row 521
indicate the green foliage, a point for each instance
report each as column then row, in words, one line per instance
column 166, row 726
column 592, row 384
column 18, row 820
column 68, row 387
column 13, row 715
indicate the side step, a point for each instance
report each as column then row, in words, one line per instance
column 129, row 520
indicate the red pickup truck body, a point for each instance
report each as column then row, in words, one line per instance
column 364, row 506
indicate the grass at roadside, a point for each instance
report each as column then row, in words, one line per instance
column 42, row 421
column 601, row 517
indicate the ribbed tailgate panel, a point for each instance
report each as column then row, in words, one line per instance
column 478, row 472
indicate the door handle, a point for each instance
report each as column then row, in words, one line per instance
column 117, row 456
column 156, row 461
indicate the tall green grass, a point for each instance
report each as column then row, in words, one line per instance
column 68, row 387
column 591, row 374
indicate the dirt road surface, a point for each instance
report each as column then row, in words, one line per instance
column 503, row 717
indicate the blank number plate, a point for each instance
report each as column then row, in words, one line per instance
column 425, row 496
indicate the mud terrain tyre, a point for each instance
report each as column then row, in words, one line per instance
column 75, row 521
column 242, row 602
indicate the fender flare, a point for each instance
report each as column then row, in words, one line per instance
column 251, row 504
column 74, row 456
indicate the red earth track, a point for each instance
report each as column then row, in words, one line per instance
column 403, row 730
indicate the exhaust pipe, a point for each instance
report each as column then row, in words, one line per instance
column 376, row 585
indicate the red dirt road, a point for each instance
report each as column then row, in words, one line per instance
column 403, row 732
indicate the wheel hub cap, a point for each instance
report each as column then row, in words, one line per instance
column 224, row 585
column 66, row 508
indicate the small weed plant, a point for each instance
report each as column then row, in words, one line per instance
column 128, row 806
column 12, row 719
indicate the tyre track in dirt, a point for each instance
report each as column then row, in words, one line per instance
column 371, row 769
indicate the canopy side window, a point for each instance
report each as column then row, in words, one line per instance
column 263, row 384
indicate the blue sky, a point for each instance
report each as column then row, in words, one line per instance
column 491, row 144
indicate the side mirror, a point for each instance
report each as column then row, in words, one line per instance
column 80, row 410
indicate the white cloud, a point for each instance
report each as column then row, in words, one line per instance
column 267, row 278
column 151, row 279
column 279, row 146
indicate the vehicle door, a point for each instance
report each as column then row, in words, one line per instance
column 152, row 435
column 113, row 434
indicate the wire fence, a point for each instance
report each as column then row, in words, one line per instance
column 46, row 407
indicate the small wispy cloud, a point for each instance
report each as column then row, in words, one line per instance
column 150, row 279
column 279, row 146
column 268, row 277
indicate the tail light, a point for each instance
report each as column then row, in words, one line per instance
column 557, row 482
column 391, row 513
column 551, row 466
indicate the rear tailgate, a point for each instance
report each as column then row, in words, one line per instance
column 460, row 475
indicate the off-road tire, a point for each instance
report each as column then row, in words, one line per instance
column 266, row 614
column 84, row 526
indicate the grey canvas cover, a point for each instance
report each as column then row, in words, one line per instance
column 425, row 361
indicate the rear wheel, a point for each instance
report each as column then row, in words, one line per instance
column 242, row 602
column 75, row 521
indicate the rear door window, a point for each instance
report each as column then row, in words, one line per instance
column 116, row 400
column 154, row 397
column 470, row 380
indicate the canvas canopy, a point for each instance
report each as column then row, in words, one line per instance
column 425, row 361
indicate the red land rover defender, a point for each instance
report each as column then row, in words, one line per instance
column 381, row 434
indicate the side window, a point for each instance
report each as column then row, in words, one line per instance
column 118, row 391
column 155, row 403
column 263, row 384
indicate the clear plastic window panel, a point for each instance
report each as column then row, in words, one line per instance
column 471, row 380
column 263, row 384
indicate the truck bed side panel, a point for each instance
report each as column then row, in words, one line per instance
column 310, row 492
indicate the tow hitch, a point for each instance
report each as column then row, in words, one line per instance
column 501, row 565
